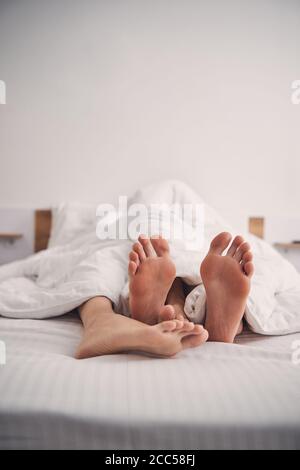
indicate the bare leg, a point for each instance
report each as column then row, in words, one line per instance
column 227, row 283
column 106, row 332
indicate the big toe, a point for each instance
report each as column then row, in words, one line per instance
column 195, row 340
column 220, row 242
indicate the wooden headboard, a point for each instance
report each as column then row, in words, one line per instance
column 43, row 221
column 256, row 226
column 42, row 228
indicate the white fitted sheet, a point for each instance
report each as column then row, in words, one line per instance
column 245, row 395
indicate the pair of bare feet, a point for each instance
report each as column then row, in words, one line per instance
column 158, row 325
column 226, row 280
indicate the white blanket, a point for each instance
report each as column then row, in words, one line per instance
column 59, row 279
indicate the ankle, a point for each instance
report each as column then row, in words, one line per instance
column 94, row 310
column 219, row 333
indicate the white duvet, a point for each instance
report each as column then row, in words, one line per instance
column 59, row 279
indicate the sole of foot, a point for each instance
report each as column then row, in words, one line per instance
column 226, row 279
column 151, row 274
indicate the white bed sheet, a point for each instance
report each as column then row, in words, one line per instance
column 245, row 395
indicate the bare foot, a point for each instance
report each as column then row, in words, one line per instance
column 113, row 333
column 227, row 283
column 151, row 274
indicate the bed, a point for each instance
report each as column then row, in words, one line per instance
column 220, row 396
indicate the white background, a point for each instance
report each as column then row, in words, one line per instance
column 106, row 96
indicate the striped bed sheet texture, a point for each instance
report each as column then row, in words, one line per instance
column 218, row 396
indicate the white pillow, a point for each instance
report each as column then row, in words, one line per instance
column 71, row 220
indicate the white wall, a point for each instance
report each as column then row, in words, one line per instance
column 105, row 96
column 16, row 220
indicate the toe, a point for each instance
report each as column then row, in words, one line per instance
column 235, row 245
column 247, row 256
column 147, row 245
column 138, row 248
column 198, row 329
column 193, row 341
column 180, row 317
column 132, row 267
column 249, row 269
column 192, row 329
column 243, row 248
column 170, row 325
column 133, row 256
column 166, row 313
column 179, row 324
column 160, row 245
column 188, row 326
column 220, row 242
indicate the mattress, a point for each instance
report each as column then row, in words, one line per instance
column 219, row 396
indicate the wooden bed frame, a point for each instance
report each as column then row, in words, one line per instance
column 43, row 221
